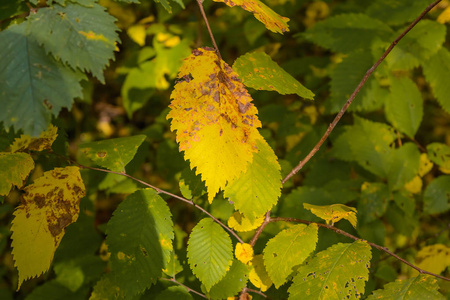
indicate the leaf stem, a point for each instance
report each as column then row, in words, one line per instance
column 341, row 232
column 186, row 287
column 355, row 92
column 200, row 5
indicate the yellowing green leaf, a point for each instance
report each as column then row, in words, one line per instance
column 137, row 34
column 336, row 273
column 333, row 213
column 258, row 189
column 288, row 249
column 43, row 142
column 273, row 21
column 240, row 223
column 257, row 70
column 14, row 169
column 434, row 258
column 244, row 252
column 258, row 274
column 216, row 122
column 425, row 165
column 232, row 283
column 113, row 154
column 49, row 205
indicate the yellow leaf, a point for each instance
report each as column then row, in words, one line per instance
column 333, row 213
column 414, row 186
column 434, row 258
column 444, row 17
column 137, row 33
column 258, row 274
column 425, row 165
column 244, row 253
column 214, row 118
column 14, row 169
column 240, row 223
column 48, row 206
column 28, row 143
column 273, row 21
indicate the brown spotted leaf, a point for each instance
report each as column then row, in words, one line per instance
column 214, row 118
column 273, row 21
column 43, row 142
column 48, row 206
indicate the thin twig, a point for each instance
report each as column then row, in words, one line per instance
column 260, row 229
column 355, row 92
column 200, row 5
column 341, row 232
column 158, row 190
column 186, row 287
column 245, row 290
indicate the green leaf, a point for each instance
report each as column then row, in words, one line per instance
column 14, row 169
column 439, row 154
column 210, row 252
column 257, row 70
column 235, row 280
column 83, row 37
column 288, row 249
column 404, row 106
column 403, row 166
column 436, row 71
column 346, row 76
column 367, row 143
column 396, row 12
column 258, row 189
column 113, row 154
column 423, row 41
column 34, row 85
column 191, row 185
column 336, row 273
column 436, row 198
column 422, row 287
column 174, row 293
column 54, row 290
column 333, row 213
column 139, row 237
column 347, row 32
column 373, row 202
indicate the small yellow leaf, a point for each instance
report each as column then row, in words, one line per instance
column 244, row 253
column 273, row 21
column 137, row 33
column 28, row 143
column 414, row 186
column 172, row 42
column 434, row 258
column 425, row 164
column 333, row 213
column 49, row 205
column 240, row 223
column 214, row 118
column 444, row 17
column 258, row 274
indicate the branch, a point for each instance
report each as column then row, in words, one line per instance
column 341, row 232
column 186, row 287
column 159, row 191
column 200, row 5
column 355, row 92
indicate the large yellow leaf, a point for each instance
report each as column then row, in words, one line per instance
column 216, row 122
column 273, row 21
column 48, row 206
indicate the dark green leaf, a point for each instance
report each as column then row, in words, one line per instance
column 235, row 280
column 436, row 198
column 436, row 71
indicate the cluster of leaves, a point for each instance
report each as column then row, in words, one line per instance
column 109, row 235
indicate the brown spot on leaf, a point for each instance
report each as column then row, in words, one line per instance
column 197, row 52
column 39, row 199
column 101, row 154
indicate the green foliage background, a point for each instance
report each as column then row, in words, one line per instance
column 370, row 161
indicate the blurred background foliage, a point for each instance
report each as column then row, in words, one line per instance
column 405, row 214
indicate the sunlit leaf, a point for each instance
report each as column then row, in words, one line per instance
column 258, row 274
column 49, row 205
column 244, row 252
column 113, row 154
column 258, row 189
column 273, row 21
column 336, row 273
column 210, row 252
column 257, row 70
column 333, row 213
column 241, row 223
column 421, row 287
column 14, row 169
column 215, row 121
column 139, row 237
column 288, row 249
